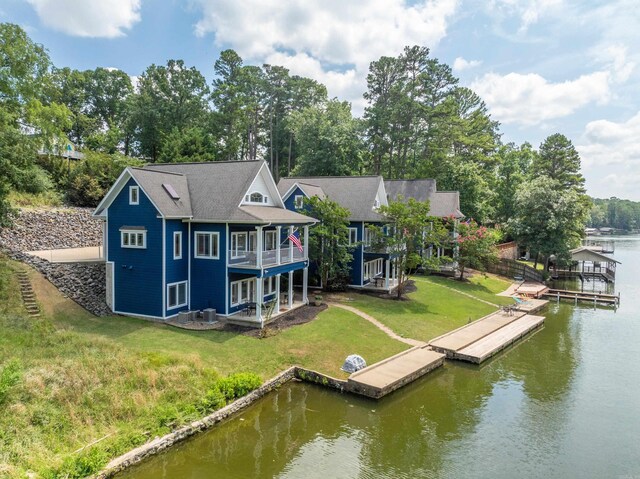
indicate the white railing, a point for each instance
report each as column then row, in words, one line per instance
column 249, row 259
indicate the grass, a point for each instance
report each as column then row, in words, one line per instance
column 434, row 309
column 72, row 378
column 539, row 266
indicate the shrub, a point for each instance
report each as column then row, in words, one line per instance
column 214, row 399
column 33, row 179
column 238, row 385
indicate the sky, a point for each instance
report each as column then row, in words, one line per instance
column 541, row 66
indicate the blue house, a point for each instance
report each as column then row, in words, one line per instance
column 371, row 267
column 202, row 236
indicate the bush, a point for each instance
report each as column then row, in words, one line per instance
column 238, row 385
column 214, row 399
column 33, row 179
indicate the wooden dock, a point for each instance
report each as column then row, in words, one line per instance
column 584, row 296
column 483, row 338
column 381, row 378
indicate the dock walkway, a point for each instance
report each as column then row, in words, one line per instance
column 483, row 338
column 392, row 373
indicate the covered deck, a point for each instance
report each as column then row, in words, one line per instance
column 588, row 264
column 252, row 316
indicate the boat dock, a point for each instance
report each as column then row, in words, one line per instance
column 485, row 337
column 381, row 378
column 584, row 296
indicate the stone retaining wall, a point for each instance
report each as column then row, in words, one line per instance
column 52, row 228
column 160, row 444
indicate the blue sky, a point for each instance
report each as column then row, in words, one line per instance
column 542, row 66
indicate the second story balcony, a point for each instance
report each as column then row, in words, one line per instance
column 268, row 258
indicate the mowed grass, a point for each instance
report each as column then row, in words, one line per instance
column 436, row 307
column 125, row 380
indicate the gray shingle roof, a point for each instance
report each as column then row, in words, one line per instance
column 356, row 193
column 442, row 203
column 151, row 182
column 216, row 190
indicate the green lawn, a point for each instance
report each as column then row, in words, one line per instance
column 433, row 309
column 81, row 378
column 539, row 266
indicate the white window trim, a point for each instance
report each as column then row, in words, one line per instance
column 179, row 305
column 211, row 234
column 275, row 240
column 298, row 201
column 351, row 231
column 133, row 232
column 137, row 190
column 238, row 284
column 177, row 234
column 269, row 286
column 263, row 201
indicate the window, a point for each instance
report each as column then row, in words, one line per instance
column 177, row 245
column 298, row 201
column 134, row 195
column 133, row 239
column 270, row 242
column 376, row 203
column 368, row 236
column 256, row 197
column 207, row 245
column 238, row 244
column 176, row 295
column 353, row 236
column 243, row 291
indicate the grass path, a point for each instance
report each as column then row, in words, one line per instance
column 388, row 331
column 458, row 292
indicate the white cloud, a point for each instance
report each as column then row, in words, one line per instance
column 88, row 18
column 529, row 12
column 610, row 155
column 460, row 64
column 529, row 99
column 332, row 41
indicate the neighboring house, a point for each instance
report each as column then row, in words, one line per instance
column 194, row 236
column 442, row 204
column 362, row 196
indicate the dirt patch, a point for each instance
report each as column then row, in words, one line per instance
column 299, row 316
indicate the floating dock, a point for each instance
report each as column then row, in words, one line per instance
column 381, row 378
column 584, row 296
column 478, row 341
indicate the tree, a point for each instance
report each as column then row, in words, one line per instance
column 329, row 241
column 476, row 246
column 511, row 173
column 407, row 231
column 328, row 140
column 559, row 160
column 549, row 219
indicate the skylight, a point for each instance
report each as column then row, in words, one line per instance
column 169, row 189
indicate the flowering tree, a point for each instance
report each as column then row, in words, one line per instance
column 476, row 246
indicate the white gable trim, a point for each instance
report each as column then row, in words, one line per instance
column 292, row 189
column 115, row 190
column 269, row 182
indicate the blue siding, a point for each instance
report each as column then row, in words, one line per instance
column 356, row 263
column 177, row 270
column 208, row 276
column 290, row 202
column 137, row 272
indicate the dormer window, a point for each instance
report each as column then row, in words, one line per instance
column 256, row 197
column 134, row 195
column 376, row 203
column 298, row 201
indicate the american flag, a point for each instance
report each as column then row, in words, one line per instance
column 293, row 237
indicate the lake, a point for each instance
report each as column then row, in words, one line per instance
column 563, row 403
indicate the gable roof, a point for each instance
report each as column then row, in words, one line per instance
column 584, row 253
column 441, row 203
column 211, row 191
column 356, row 193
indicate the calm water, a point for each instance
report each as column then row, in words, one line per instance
column 563, row 403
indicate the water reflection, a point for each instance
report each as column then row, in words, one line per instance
column 558, row 404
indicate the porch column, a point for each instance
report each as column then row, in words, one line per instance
column 259, row 299
column 259, row 241
column 305, row 245
column 305, row 280
column 290, row 293
column 291, row 230
column 386, row 273
column 277, row 308
column 278, row 236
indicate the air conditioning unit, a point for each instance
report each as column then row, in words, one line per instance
column 209, row 315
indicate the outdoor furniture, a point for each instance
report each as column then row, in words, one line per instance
column 379, row 280
column 249, row 308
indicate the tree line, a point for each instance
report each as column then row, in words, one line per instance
column 418, row 122
column 615, row 213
